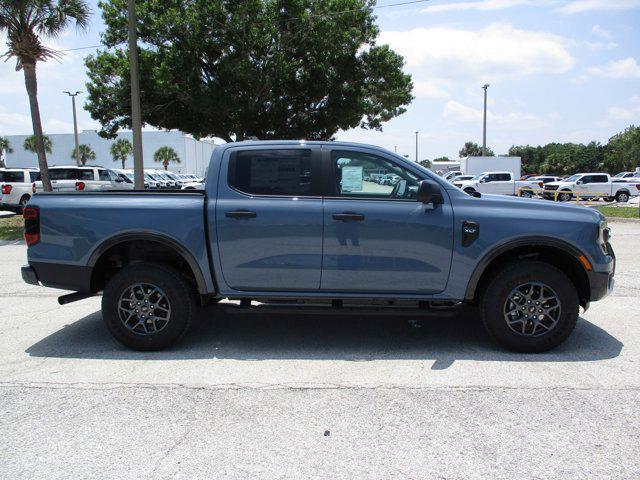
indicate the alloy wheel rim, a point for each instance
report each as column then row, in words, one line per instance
column 144, row 308
column 623, row 197
column 532, row 309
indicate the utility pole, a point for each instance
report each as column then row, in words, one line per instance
column 395, row 148
column 416, row 147
column 136, row 122
column 75, row 124
column 484, row 124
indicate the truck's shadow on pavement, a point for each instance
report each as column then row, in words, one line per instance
column 330, row 337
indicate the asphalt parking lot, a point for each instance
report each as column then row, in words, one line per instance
column 305, row 396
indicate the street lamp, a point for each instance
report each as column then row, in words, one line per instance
column 75, row 124
column 416, row 147
column 484, row 126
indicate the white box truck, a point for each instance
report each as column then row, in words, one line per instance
column 478, row 165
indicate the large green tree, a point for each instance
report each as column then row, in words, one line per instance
column 263, row 68
column 120, row 150
column 165, row 156
column 5, row 147
column 26, row 23
column 472, row 149
column 623, row 151
column 86, row 154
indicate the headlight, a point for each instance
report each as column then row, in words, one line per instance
column 604, row 235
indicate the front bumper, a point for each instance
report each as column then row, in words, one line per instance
column 603, row 283
column 29, row 275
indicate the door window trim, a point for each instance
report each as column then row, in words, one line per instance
column 328, row 176
column 316, row 180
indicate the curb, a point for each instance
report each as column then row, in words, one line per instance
column 622, row 220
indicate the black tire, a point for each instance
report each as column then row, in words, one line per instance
column 24, row 200
column 622, row 197
column 494, row 303
column 469, row 191
column 608, row 199
column 564, row 196
column 180, row 300
column 526, row 193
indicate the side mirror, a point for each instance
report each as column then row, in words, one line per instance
column 483, row 180
column 429, row 192
column 579, row 182
column 119, row 180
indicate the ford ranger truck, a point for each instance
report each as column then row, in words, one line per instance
column 300, row 225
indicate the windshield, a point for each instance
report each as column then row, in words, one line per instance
column 572, row 178
column 620, row 175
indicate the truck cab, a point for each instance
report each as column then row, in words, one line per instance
column 489, row 182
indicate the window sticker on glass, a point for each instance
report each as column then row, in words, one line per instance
column 351, row 179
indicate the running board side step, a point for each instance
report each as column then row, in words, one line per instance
column 331, row 310
column 74, row 297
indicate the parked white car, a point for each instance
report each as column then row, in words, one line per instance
column 529, row 187
column 82, row 178
column 452, row 174
column 16, row 187
column 194, row 185
column 489, row 182
column 591, row 185
column 462, row 178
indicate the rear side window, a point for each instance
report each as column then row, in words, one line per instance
column 599, row 179
column 502, row 177
column 271, row 172
column 103, row 175
column 34, row 176
column 63, row 174
column 85, row 174
column 12, row 176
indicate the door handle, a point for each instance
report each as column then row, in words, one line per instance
column 348, row 217
column 241, row 214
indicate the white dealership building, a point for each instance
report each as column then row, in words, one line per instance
column 194, row 154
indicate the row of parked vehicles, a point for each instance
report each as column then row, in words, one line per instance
column 19, row 184
column 593, row 186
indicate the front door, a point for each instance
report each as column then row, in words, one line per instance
column 377, row 237
column 269, row 219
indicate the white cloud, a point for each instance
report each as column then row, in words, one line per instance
column 601, row 32
column 12, row 123
column 428, row 89
column 495, row 51
column 628, row 112
column 579, row 6
column 625, row 68
column 484, row 5
column 459, row 112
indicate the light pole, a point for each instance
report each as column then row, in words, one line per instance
column 484, row 123
column 75, row 124
column 136, row 122
column 395, row 148
column 416, row 147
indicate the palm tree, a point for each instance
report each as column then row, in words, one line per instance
column 5, row 147
column 30, row 144
column 166, row 155
column 86, row 154
column 120, row 150
column 27, row 23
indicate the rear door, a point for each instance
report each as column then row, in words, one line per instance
column 269, row 218
column 599, row 186
column 378, row 238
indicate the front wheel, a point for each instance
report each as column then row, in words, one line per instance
column 526, row 193
column 148, row 306
column 529, row 307
column 564, row 197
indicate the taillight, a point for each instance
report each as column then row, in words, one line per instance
column 31, row 217
column 541, row 184
column 80, row 186
column 6, row 189
column 638, row 186
column 33, row 187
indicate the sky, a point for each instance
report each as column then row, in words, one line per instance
column 559, row 71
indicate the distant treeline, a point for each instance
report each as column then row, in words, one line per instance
column 621, row 153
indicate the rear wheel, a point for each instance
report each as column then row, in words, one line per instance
column 622, row 197
column 529, row 307
column 24, row 200
column 526, row 193
column 608, row 199
column 148, row 306
column 564, row 196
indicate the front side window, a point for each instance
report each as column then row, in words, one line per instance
column 34, row 176
column 103, row 175
column 362, row 175
column 271, row 172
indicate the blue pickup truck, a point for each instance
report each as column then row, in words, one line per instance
column 304, row 224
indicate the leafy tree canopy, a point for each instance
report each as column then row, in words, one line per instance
column 442, row 159
column 165, row 156
column 425, row 163
column 120, row 150
column 30, row 144
column 472, row 149
column 86, row 154
column 264, row 68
